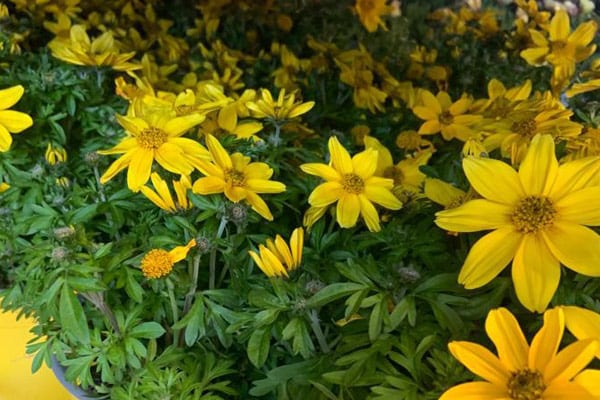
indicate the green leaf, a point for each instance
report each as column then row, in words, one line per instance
column 376, row 319
column 72, row 317
column 258, row 346
column 333, row 292
column 147, row 330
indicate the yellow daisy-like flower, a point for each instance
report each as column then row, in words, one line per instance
column 161, row 195
column 563, row 48
column 277, row 258
column 442, row 115
column 79, row 49
column 158, row 262
column 155, row 137
column 522, row 371
column 236, row 177
column 370, row 12
column 285, row 108
column 11, row 121
column 537, row 216
column 351, row 182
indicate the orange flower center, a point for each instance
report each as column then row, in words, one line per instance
column 526, row 384
column 353, row 183
column 533, row 213
column 525, row 128
column 446, row 118
column 151, row 138
column 236, row 178
column 157, row 263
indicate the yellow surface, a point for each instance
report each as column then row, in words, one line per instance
column 16, row 380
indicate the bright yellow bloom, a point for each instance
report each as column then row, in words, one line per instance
column 11, row 121
column 161, row 195
column 441, row 115
column 158, row 262
column 277, row 258
column 370, row 12
column 4, row 187
column 155, row 137
column 537, row 216
column 236, row 177
column 55, row 155
column 81, row 50
column 522, row 371
column 443, row 193
column 563, row 48
column 285, row 108
column 351, row 182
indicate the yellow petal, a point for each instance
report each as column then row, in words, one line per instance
column 15, row 121
column 259, row 205
column 10, row 96
column 559, row 26
column 545, row 343
column 347, row 210
column 139, row 169
column 384, row 157
column 117, row 166
column 339, row 157
column 475, row 391
column 488, row 257
column 560, row 390
column 156, row 199
column 364, row 163
column 171, row 158
column 258, row 170
column 539, row 168
column 535, row 273
column 228, row 117
column 584, row 34
column 271, row 262
column 325, row 194
column 180, row 252
column 430, row 127
column 575, row 246
column 425, row 113
column 296, row 245
column 571, row 360
column 264, row 268
column 301, row 109
column 209, row 185
column 369, row 213
column 575, row 175
column 580, row 207
column 441, row 192
column 322, row 170
column 495, row 88
column 494, row 180
column 504, row 330
column 582, row 323
column 265, row 186
column 283, row 251
column 177, row 126
column 124, row 146
column 235, row 193
column 431, row 102
column 382, row 196
column 480, row 361
column 218, row 153
column 132, row 125
column 5, row 139
column 535, row 55
column 475, row 215
column 590, row 381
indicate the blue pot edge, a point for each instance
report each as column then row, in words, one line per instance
column 79, row 393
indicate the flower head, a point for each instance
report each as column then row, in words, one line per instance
column 370, row 12
column 161, row 195
column 522, row 371
column 236, row 177
column 277, row 258
column 285, row 108
column 351, row 182
column 158, row 262
column 537, row 216
column 11, row 121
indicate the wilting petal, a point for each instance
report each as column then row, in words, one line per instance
column 480, row 361
column 476, row 391
column 504, row 330
column 488, row 257
column 475, row 215
column 575, row 246
column 494, row 180
column 539, row 168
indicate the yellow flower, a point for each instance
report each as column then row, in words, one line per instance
column 441, row 115
column 370, row 12
column 155, row 137
column 277, row 258
column 79, row 49
column 351, row 182
column 4, row 187
column 411, row 140
column 537, row 216
column 582, row 323
column 285, row 108
column 443, row 193
column 237, row 178
column 55, row 155
column 11, row 121
column 161, row 195
column 158, row 262
column 563, row 48
column 523, row 371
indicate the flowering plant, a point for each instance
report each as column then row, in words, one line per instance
column 226, row 202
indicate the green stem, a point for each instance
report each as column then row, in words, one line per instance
column 174, row 309
column 189, row 297
column 213, row 254
column 316, row 327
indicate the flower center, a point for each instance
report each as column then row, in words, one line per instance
column 526, row 384
column 524, row 128
column 157, row 263
column 353, row 183
column 394, row 173
column 151, row 138
column 446, row 118
column 184, row 110
column 236, row 178
column 533, row 213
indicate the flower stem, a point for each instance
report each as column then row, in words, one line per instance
column 189, row 297
column 174, row 309
column 213, row 254
column 316, row 327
